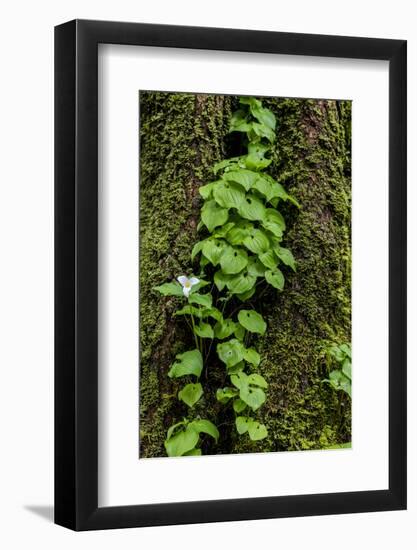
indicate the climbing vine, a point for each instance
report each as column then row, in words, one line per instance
column 239, row 256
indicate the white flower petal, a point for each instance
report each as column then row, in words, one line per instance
column 194, row 281
column 182, row 279
column 186, row 291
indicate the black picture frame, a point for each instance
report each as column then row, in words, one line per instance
column 76, row 271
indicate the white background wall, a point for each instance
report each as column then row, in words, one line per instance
column 26, row 271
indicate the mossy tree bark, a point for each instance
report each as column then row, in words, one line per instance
column 182, row 136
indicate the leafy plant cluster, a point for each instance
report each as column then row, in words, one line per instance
column 340, row 378
column 241, row 254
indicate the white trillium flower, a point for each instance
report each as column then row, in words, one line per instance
column 187, row 283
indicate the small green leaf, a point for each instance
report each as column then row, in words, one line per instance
column 213, row 215
column 264, row 187
column 196, row 249
column 231, row 352
column 190, row 310
column 182, row 442
column 224, row 329
column 257, row 431
column 229, row 194
column 252, row 208
column 205, row 300
column 241, row 424
column 204, row 330
column 206, row 427
column 237, row 235
column 257, row 241
column 221, row 279
column 223, row 395
column 285, row 256
column 233, row 260
column 252, row 321
column 236, row 368
column 189, row 362
column 212, row 249
column 170, row 289
column 239, row 405
column 252, row 356
column 221, row 232
column 254, row 397
column 240, row 380
column 239, row 330
column 275, row 278
column 174, row 427
column 255, row 267
column 246, row 178
column 190, row 394
column 268, row 259
column 241, row 283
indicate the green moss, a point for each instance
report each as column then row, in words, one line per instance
column 182, row 136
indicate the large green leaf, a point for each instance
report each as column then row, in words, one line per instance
column 285, row 256
column 264, row 187
column 275, row 278
column 274, row 222
column 252, row 356
column 252, row 321
column 233, row 260
column 252, row 396
column 241, row 283
column 265, row 116
column 256, row 430
column 189, row 362
column 213, row 215
column 212, row 249
column 224, row 328
column 221, row 279
column 255, row 267
column 182, row 442
column 204, row 330
column 190, row 394
column 231, row 352
column 262, row 131
column 170, row 289
column 241, row 424
column 252, row 208
column 204, row 426
column 205, row 300
column 268, row 259
column 257, row 241
column 241, row 230
column 196, row 249
column 229, row 194
column 221, row 232
column 246, row 178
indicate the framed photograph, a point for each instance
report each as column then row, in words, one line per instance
column 230, row 244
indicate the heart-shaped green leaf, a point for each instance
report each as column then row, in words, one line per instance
column 241, row 283
column 189, row 362
column 182, row 442
column 205, row 300
column 213, row 249
column 254, row 397
column 229, row 194
column 204, row 426
column 241, row 424
column 246, row 178
column 225, row 394
column 252, row 208
column 275, row 278
column 257, row 241
column 231, row 352
column 233, row 260
column 285, row 256
column 252, row 321
column 224, row 328
column 190, row 394
column 256, row 430
column 213, row 215
column 268, row 259
column 204, row 330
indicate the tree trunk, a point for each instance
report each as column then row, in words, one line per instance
column 182, row 136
